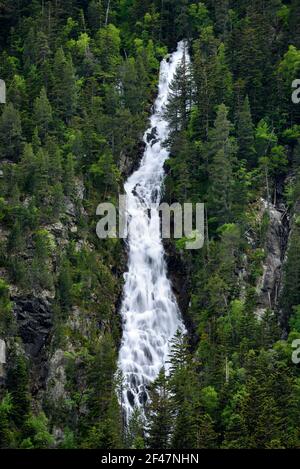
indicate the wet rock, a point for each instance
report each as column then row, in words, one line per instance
column 179, row 273
column 151, row 135
column 130, row 398
column 143, row 397
column 129, row 163
column 34, row 321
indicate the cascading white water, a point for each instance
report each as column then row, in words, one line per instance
column 149, row 310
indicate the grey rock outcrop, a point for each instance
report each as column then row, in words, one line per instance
column 2, row 359
column 34, row 321
column 34, row 318
column 275, row 248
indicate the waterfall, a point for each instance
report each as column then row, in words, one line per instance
column 149, row 309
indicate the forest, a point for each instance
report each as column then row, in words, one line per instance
column 81, row 78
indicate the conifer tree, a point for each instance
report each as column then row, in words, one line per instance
column 221, row 8
column 291, row 292
column 245, row 134
column 294, row 18
column 17, row 384
column 69, row 175
column 10, row 133
column 64, row 85
column 65, row 285
column 159, row 414
column 42, row 114
column 179, row 105
column 223, row 82
column 6, row 434
column 205, row 51
column 221, row 150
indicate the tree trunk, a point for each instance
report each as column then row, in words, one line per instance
column 107, row 12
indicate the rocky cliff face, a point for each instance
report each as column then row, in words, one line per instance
column 179, row 272
column 127, row 164
column 268, row 287
column 33, row 310
column 34, row 320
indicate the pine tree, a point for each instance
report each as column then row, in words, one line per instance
column 204, row 74
column 207, row 438
column 41, row 176
column 186, row 403
column 134, row 433
column 221, row 14
column 10, row 133
column 291, row 290
column 179, row 101
column 250, row 44
column 27, row 169
column 105, row 174
column 69, row 175
column 65, row 285
column 180, row 355
column 185, row 428
column 223, row 82
column 64, row 85
column 95, row 14
column 6, row 316
column 108, row 49
column 245, row 134
column 236, row 432
column 42, row 114
column 6, row 433
column 17, row 384
column 101, row 378
column 16, row 242
column 159, row 414
column 180, row 170
column 294, row 18
column 221, row 151
column 54, row 156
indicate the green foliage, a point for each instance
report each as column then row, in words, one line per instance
column 179, row 104
column 290, row 296
column 10, row 133
column 245, row 133
column 159, row 414
column 64, row 85
column 37, row 434
column 6, row 432
column 6, row 317
column 105, row 174
column 17, row 385
column 42, row 116
column 221, row 149
column 80, row 83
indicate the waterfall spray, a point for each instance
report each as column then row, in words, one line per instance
column 149, row 310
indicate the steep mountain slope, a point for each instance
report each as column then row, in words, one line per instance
column 81, row 78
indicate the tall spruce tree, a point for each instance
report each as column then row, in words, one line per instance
column 42, row 114
column 10, row 133
column 221, row 151
column 159, row 414
column 245, row 134
column 178, row 108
